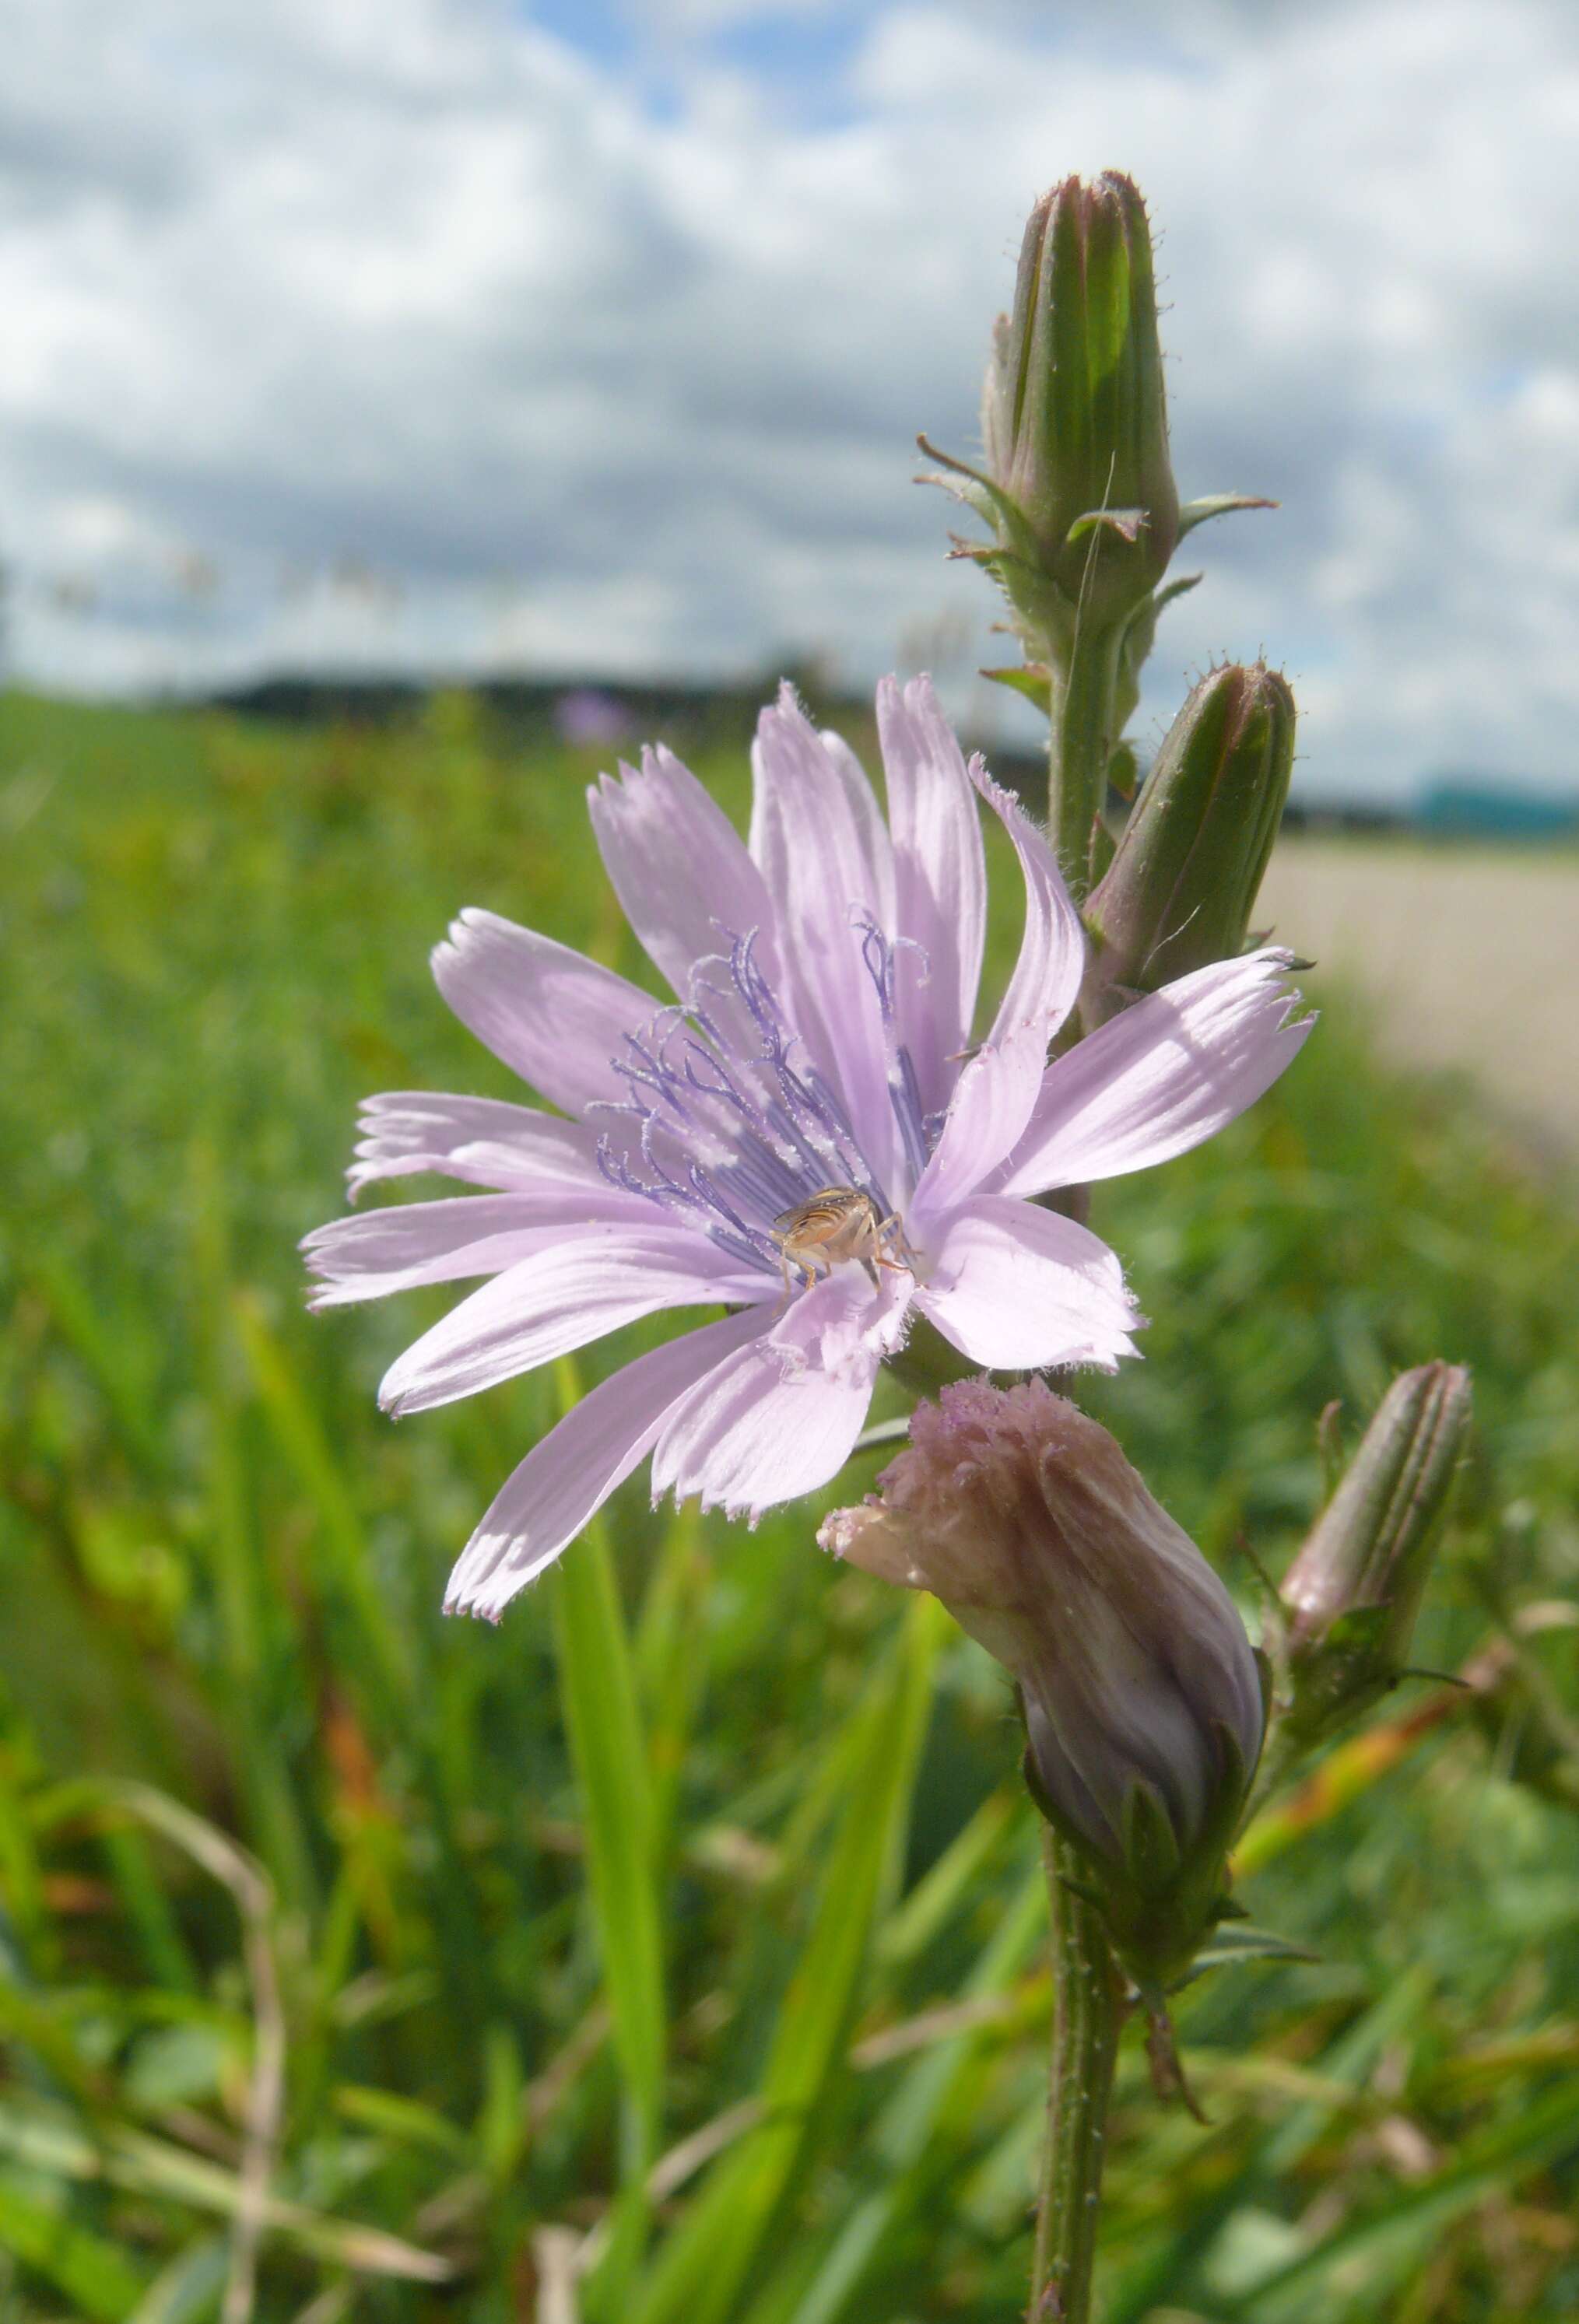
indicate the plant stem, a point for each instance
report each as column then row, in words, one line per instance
column 1088, row 2010
column 1080, row 748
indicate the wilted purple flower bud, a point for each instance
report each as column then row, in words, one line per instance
column 1142, row 1693
column 1354, row 1588
column 1179, row 892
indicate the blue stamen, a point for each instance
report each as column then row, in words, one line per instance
column 752, row 1130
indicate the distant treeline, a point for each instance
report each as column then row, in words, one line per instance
column 698, row 717
column 595, row 712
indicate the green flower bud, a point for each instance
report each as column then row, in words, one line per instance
column 1078, row 490
column 1141, row 1694
column 1078, row 485
column 1075, row 416
column 1353, row 1591
column 1181, row 888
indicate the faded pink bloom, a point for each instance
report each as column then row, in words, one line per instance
column 1022, row 1514
column 825, row 976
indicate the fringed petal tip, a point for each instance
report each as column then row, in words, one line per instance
column 459, row 1605
column 999, row 796
column 1105, row 1359
column 468, row 925
column 705, row 1504
column 750, row 1513
column 321, row 1296
column 1165, row 1074
column 1276, row 964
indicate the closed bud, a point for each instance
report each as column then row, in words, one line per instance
column 1353, row 1591
column 1075, row 416
column 1141, row 1694
column 1078, row 485
column 1182, row 886
column 1077, row 491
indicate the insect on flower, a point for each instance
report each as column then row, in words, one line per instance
column 835, row 1223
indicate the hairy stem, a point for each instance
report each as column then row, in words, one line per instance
column 1088, row 2010
column 1080, row 745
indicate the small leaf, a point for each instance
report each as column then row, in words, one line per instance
column 1086, row 1893
column 1179, row 588
column 1128, row 524
column 1195, row 512
column 1029, row 678
column 1241, row 1941
column 1151, row 1842
column 956, row 468
column 977, row 491
column 1123, row 771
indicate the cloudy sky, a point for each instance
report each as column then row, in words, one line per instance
column 593, row 335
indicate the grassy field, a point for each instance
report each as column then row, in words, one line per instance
column 688, row 1927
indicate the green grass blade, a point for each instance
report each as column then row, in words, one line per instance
column 103, row 1352
column 703, row 2272
column 241, row 1596
column 189, row 2288
column 1391, row 2239
column 950, row 1881
column 670, row 1670
column 1135, row 2288
column 303, row 1442
column 92, row 2272
column 901, row 2138
column 603, row 1722
column 44, row 2138
column 148, row 1909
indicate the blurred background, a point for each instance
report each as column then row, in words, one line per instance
column 403, row 409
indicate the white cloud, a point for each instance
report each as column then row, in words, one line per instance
column 414, row 294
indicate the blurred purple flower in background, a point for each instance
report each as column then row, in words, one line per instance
column 589, row 720
column 820, row 1045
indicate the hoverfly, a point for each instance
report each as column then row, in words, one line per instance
column 836, row 1222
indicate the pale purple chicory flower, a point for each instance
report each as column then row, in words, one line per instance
column 825, row 977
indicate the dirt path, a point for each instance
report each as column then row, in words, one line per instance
column 1470, row 958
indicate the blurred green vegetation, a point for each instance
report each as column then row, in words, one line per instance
column 357, row 1963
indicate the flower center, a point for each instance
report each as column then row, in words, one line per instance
column 733, row 1124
